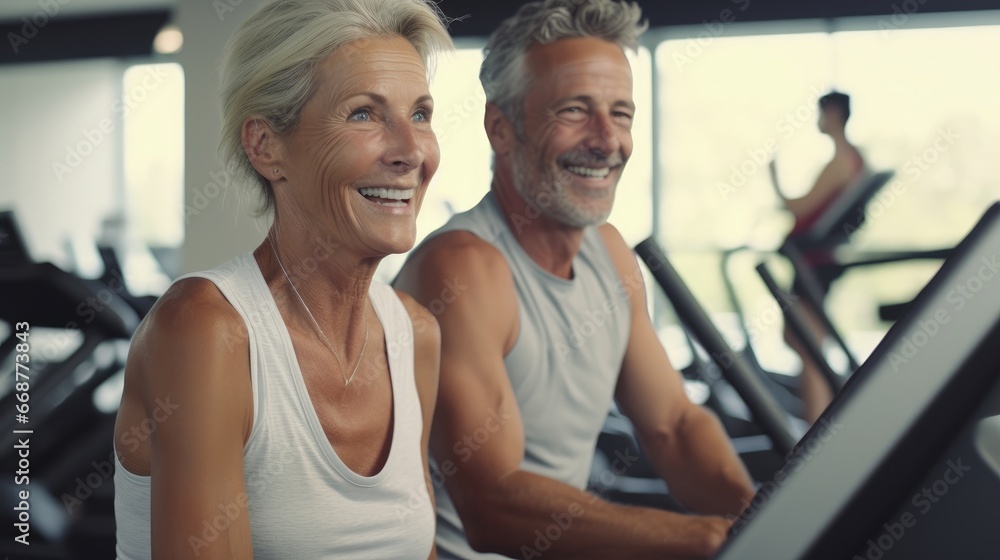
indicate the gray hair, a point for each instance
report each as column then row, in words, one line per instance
column 269, row 66
column 503, row 73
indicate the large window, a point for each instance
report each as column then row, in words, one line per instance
column 152, row 107
column 923, row 105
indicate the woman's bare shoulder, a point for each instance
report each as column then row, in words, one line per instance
column 192, row 324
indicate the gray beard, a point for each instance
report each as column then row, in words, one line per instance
column 551, row 197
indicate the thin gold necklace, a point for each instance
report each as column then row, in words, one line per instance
column 347, row 380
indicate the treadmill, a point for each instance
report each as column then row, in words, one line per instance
column 905, row 463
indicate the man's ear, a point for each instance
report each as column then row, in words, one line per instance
column 500, row 130
column 263, row 148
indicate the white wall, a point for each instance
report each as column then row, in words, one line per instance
column 219, row 223
column 51, row 114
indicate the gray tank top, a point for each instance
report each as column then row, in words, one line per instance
column 564, row 365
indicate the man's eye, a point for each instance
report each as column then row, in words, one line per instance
column 422, row 115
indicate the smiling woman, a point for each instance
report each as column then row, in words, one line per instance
column 304, row 390
column 366, row 128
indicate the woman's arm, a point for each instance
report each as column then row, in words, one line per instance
column 193, row 355
column 427, row 364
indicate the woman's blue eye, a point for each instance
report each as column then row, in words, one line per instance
column 362, row 115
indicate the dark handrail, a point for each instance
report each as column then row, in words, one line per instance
column 764, row 409
column 797, row 322
column 814, row 295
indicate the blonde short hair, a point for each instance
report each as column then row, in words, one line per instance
column 269, row 65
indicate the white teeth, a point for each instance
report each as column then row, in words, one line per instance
column 388, row 194
column 588, row 172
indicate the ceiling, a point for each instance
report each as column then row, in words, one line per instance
column 100, row 28
column 663, row 13
column 16, row 9
column 484, row 14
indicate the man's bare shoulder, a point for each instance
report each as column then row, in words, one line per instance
column 457, row 264
column 621, row 253
column 457, row 251
column 625, row 262
column 462, row 278
column 426, row 331
column 613, row 239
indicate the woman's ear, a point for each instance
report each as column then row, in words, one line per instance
column 500, row 130
column 263, row 148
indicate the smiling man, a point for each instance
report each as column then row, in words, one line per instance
column 551, row 324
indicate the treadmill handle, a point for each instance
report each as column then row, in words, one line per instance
column 764, row 409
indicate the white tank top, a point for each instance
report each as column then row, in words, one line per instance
column 303, row 501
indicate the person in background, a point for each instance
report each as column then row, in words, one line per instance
column 845, row 171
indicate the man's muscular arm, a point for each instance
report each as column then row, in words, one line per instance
column 685, row 442
column 501, row 506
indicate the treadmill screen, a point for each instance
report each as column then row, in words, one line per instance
column 853, row 487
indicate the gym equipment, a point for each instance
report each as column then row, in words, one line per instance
column 797, row 322
column 905, row 463
column 845, row 214
column 12, row 247
column 772, row 419
column 71, row 491
column 810, row 289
